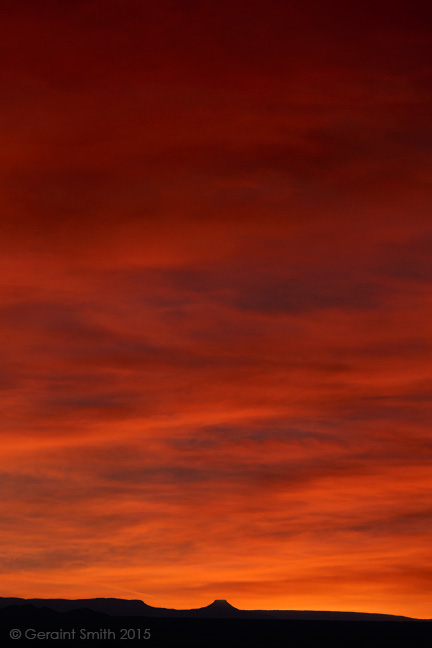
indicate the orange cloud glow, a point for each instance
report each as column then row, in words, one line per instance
column 215, row 304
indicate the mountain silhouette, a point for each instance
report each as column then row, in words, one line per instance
column 220, row 608
column 221, row 605
column 219, row 623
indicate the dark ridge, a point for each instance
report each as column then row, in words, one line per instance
column 221, row 604
column 111, row 606
column 203, row 631
column 220, row 608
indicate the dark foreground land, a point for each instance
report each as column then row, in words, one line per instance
column 46, row 627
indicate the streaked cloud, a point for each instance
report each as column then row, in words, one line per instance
column 215, row 306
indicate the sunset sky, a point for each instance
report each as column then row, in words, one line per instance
column 215, row 302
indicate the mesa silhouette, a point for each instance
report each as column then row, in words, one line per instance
column 218, row 624
column 219, row 609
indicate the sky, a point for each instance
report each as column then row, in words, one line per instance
column 215, row 303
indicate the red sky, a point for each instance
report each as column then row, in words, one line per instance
column 215, row 302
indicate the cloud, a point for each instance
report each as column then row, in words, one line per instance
column 214, row 303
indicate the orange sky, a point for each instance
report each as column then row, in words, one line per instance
column 216, row 303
